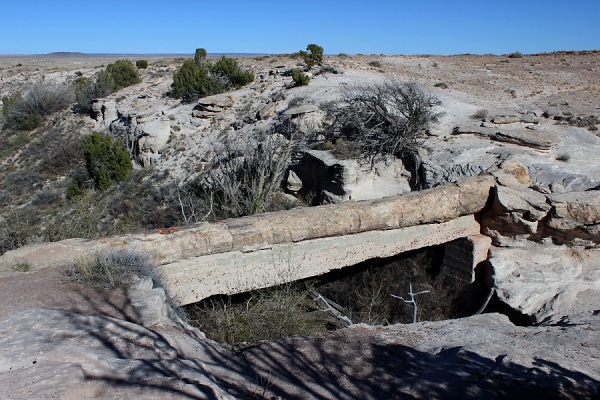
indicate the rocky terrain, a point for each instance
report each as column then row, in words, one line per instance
column 531, row 123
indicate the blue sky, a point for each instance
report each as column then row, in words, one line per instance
column 283, row 26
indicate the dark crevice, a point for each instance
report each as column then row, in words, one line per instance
column 516, row 317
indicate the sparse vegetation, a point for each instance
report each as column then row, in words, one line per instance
column 441, row 85
column 116, row 76
column 28, row 111
column 480, row 114
column 111, row 268
column 375, row 64
column 360, row 296
column 22, row 266
column 516, row 54
column 299, row 77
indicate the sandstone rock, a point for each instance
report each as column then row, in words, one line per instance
column 547, row 282
column 153, row 137
column 305, row 109
column 218, row 101
column 575, row 215
column 514, row 215
column 267, row 111
column 348, row 179
column 209, row 107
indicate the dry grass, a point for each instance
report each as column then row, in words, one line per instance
column 110, row 268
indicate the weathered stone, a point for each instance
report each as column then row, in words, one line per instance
column 514, row 215
column 544, row 281
column 217, row 101
column 463, row 255
column 266, row 112
column 191, row 280
column 305, row 109
column 575, row 215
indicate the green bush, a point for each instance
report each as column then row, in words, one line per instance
column 200, row 56
column 299, row 77
column 190, row 82
column 195, row 80
column 141, row 64
column 107, row 161
column 313, row 55
column 229, row 69
column 123, row 74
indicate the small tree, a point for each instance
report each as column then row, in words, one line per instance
column 200, row 56
column 313, row 55
column 107, row 161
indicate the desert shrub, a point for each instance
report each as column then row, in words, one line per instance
column 480, row 114
column 191, row 82
column 229, row 69
column 45, row 197
column 107, row 161
column 74, row 189
column 299, row 77
column 441, row 85
column 376, row 64
column 26, row 112
column 16, row 230
column 313, row 55
column 196, row 79
column 384, row 119
column 516, row 54
column 141, row 64
column 245, row 173
column 123, row 74
column 564, row 157
column 111, row 268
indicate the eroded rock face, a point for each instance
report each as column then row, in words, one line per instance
column 547, row 282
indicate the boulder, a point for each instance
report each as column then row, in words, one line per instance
column 546, row 282
column 209, row 107
column 575, row 216
column 514, row 215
